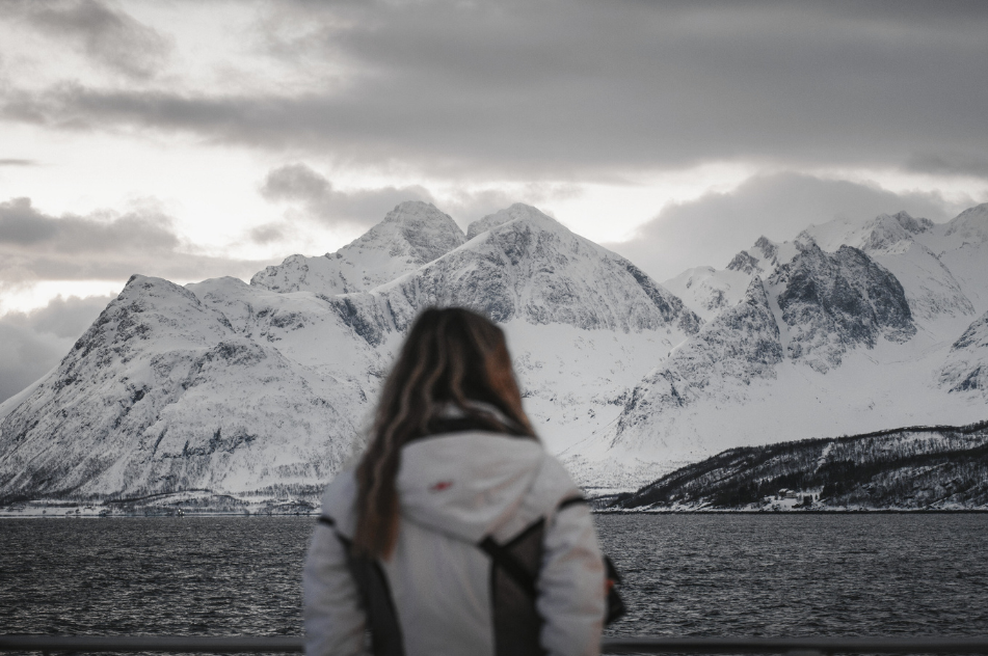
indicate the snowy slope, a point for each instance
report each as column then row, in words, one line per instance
column 965, row 370
column 742, row 344
column 708, row 291
column 964, row 250
column 583, row 323
column 163, row 393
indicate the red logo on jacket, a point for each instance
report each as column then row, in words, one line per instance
column 440, row 486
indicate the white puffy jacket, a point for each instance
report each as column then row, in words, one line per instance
column 448, row 596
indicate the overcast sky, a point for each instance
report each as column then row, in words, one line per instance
column 195, row 139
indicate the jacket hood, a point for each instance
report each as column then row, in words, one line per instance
column 466, row 484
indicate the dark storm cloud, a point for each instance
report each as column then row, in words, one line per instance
column 106, row 35
column 31, row 343
column 300, row 185
column 563, row 88
column 710, row 230
column 105, row 246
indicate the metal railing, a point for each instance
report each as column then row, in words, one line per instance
column 813, row 646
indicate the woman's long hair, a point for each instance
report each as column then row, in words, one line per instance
column 451, row 359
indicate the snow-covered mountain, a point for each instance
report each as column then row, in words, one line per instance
column 857, row 327
column 258, row 392
column 164, row 393
column 916, row 251
column 240, row 389
column 531, row 268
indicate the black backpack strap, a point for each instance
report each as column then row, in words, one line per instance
column 510, row 564
column 375, row 596
column 512, row 567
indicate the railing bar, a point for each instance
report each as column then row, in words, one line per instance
column 188, row 644
column 788, row 645
column 818, row 646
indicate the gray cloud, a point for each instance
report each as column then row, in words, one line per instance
column 18, row 162
column 299, row 184
column 303, row 188
column 62, row 317
column 25, row 356
column 715, row 227
column 31, row 343
column 296, row 182
column 35, row 246
column 561, row 89
column 951, row 163
column 106, row 246
column 108, row 36
column 22, row 224
column 268, row 233
column 466, row 206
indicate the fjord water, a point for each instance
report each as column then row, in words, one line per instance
column 686, row 574
column 861, row 574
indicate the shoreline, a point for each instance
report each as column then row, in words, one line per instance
column 6, row 513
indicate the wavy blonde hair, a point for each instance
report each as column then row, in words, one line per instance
column 452, row 358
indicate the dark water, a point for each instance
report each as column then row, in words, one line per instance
column 176, row 576
column 727, row 575
column 793, row 575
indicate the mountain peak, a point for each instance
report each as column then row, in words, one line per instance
column 889, row 230
column 523, row 264
column 913, row 225
column 512, row 213
column 763, row 257
column 414, row 233
column 883, row 233
column 411, row 208
column 834, row 302
column 428, row 232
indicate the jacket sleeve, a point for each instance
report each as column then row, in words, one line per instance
column 571, row 585
column 334, row 619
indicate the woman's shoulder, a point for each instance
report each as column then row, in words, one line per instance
column 554, row 483
column 339, row 501
column 550, row 487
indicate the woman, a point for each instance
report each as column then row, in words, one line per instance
column 456, row 533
